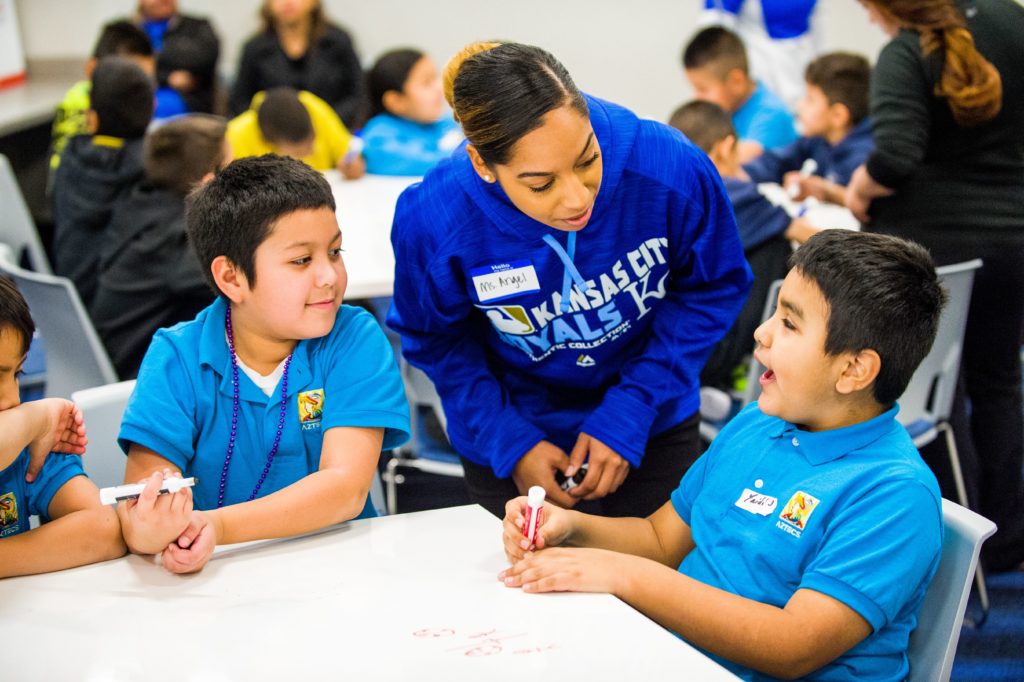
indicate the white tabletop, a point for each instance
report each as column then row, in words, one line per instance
column 407, row 597
column 31, row 103
column 366, row 208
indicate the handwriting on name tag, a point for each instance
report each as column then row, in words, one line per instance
column 757, row 503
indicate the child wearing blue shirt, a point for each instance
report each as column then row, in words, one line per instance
column 410, row 129
column 716, row 65
column 837, row 131
column 276, row 396
column 802, row 543
column 40, row 468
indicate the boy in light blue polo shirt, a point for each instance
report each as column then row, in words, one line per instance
column 715, row 61
column 41, row 470
column 802, row 542
column 277, row 397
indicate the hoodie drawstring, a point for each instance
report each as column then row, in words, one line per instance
column 571, row 273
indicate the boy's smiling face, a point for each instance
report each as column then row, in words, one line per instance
column 12, row 356
column 800, row 383
column 300, row 277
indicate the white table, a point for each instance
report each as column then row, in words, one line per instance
column 32, row 103
column 407, row 597
column 820, row 214
column 366, row 208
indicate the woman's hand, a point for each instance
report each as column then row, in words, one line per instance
column 607, row 470
column 861, row 191
column 555, row 528
column 538, row 467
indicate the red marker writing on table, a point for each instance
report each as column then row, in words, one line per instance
column 534, row 512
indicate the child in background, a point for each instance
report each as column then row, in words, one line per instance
column 765, row 231
column 716, row 65
column 297, row 124
column 276, row 353
column 40, row 468
column 149, row 275
column 837, row 131
column 97, row 168
column 411, row 129
column 118, row 38
column 802, row 542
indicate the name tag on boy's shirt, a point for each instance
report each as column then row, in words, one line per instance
column 504, row 280
column 757, row 503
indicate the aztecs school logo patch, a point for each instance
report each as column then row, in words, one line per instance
column 8, row 514
column 311, row 406
column 799, row 509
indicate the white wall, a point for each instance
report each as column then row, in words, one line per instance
column 623, row 51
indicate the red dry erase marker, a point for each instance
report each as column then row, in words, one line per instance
column 534, row 512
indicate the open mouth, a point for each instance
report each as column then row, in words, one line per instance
column 581, row 219
column 768, row 377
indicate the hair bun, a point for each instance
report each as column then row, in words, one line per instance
column 451, row 69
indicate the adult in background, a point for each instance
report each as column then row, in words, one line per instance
column 187, row 50
column 299, row 48
column 947, row 103
column 562, row 279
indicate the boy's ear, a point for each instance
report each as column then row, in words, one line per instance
column 839, row 116
column 230, row 279
column 90, row 66
column 92, row 121
column 392, row 101
column 859, row 371
column 479, row 165
column 737, row 80
column 724, row 150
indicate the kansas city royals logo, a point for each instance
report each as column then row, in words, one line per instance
column 8, row 514
column 311, row 407
column 510, row 319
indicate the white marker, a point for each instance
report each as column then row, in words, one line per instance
column 534, row 512
column 809, row 168
column 131, row 491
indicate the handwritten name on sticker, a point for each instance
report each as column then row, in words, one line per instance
column 496, row 282
column 757, row 503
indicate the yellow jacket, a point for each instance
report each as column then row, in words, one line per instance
column 329, row 147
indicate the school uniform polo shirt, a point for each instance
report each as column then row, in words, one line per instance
column 182, row 403
column 852, row 513
column 20, row 500
column 764, row 118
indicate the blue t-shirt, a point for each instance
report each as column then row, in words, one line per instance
column 764, row 118
column 398, row 146
column 181, row 406
column 156, row 30
column 852, row 513
column 20, row 500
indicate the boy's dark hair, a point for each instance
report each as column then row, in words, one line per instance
column 122, row 97
column 235, row 212
column 882, row 293
column 389, row 73
column 14, row 313
column 283, row 118
column 180, row 152
column 845, row 79
column 717, row 49
column 121, row 38
column 705, row 123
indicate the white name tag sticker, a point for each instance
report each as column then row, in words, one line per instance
column 757, row 503
column 504, row 280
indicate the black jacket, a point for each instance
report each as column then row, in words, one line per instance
column 330, row 70
column 90, row 179
column 149, row 275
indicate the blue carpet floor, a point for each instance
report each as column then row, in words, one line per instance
column 996, row 651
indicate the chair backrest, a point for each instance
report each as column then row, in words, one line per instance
column 929, row 396
column 75, row 356
column 102, row 409
column 752, row 391
column 933, row 643
column 16, row 226
column 420, row 391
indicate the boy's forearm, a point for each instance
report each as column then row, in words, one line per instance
column 19, row 426
column 82, row 537
column 760, row 636
column 319, row 500
column 628, row 535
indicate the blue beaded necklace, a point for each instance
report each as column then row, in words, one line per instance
column 234, row 415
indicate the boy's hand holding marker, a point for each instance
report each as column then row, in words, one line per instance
column 553, row 528
column 154, row 521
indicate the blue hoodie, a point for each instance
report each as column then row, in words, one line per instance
column 665, row 278
column 836, row 163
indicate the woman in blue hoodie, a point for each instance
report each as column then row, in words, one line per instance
column 562, row 278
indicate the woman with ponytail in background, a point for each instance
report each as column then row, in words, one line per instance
column 947, row 104
column 562, row 278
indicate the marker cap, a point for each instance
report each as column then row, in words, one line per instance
column 535, row 496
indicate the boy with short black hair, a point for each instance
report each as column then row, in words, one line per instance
column 766, row 232
column 149, row 276
column 276, row 396
column 297, row 124
column 837, row 131
column 715, row 61
column 40, row 468
column 802, row 542
column 97, row 168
